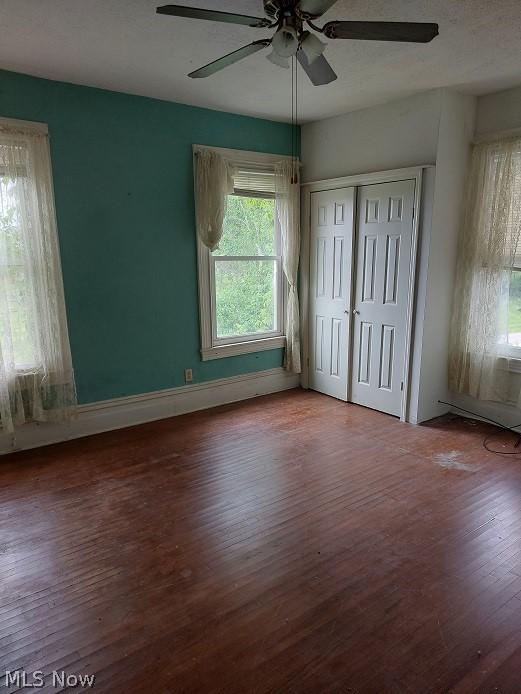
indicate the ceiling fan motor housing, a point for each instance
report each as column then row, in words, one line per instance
column 275, row 8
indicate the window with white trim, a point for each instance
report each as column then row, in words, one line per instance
column 246, row 273
column 241, row 283
column 509, row 336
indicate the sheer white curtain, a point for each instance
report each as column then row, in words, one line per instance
column 489, row 246
column 287, row 198
column 216, row 178
column 213, row 182
column 36, row 377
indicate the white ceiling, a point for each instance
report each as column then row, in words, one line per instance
column 123, row 45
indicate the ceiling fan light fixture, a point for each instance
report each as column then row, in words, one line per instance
column 313, row 47
column 285, row 41
column 277, row 59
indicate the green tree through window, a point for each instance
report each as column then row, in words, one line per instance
column 246, row 297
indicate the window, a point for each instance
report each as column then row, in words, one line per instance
column 246, row 273
column 514, row 309
column 510, row 291
column 16, row 321
column 510, row 314
column 36, row 377
column 241, row 283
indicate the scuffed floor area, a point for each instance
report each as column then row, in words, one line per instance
column 290, row 543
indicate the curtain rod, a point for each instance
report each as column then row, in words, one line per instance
column 497, row 136
column 242, row 156
column 23, row 126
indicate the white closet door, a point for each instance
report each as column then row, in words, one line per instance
column 331, row 254
column 383, row 261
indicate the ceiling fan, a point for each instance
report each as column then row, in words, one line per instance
column 292, row 39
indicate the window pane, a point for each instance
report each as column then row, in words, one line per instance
column 19, row 309
column 245, row 296
column 514, row 309
column 249, row 227
column 16, row 320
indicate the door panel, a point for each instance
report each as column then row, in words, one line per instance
column 331, row 255
column 383, row 261
column 392, row 255
column 387, row 357
column 319, row 344
column 336, row 346
column 364, row 361
column 369, row 268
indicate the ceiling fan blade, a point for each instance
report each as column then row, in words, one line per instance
column 213, row 15
column 230, row 58
column 315, row 8
column 415, row 32
column 319, row 71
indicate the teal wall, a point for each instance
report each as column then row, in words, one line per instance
column 123, row 183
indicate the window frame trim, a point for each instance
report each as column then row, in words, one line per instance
column 244, row 344
column 280, row 301
column 510, row 352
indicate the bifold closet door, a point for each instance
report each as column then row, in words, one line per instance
column 383, row 262
column 331, row 257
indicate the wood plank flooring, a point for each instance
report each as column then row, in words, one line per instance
column 287, row 544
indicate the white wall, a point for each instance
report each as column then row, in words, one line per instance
column 395, row 135
column 499, row 111
column 456, row 130
column 431, row 128
column 435, row 127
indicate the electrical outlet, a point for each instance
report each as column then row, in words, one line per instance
column 189, row 377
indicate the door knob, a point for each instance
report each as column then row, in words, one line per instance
column 356, row 312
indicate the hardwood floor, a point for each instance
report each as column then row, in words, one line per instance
column 287, row 544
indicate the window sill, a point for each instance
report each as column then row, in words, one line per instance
column 509, row 363
column 26, row 369
column 243, row 348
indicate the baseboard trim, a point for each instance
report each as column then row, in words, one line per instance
column 485, row 410
column 107, row 415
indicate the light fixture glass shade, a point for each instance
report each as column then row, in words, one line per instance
column 278, row 59
column 285, row 42
column 313, row 47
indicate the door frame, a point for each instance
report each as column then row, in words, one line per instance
column 411, row 173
